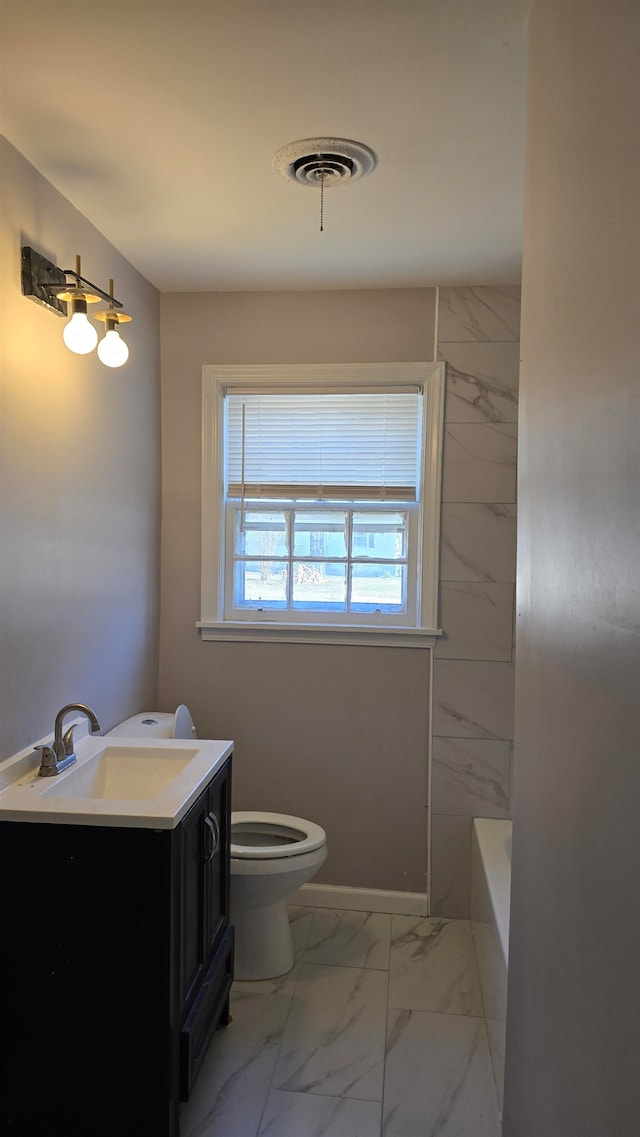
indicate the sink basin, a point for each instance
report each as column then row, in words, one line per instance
column 122, row 773
column 124, row 781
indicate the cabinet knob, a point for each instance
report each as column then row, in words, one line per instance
column 214, row 833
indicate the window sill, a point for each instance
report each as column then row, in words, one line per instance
column 246, row 632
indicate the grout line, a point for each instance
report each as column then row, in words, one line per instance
column 271, row 1086
column 384, row 1054
column 441, row 1014
column 348, row 966
column 325, row 1097
column 473, row 342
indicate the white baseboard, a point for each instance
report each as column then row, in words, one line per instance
column 361, row 899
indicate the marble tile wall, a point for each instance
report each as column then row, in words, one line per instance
column 472, row 723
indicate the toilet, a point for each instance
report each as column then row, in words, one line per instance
column 272, row 855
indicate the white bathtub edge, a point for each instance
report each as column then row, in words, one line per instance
column 494, row 841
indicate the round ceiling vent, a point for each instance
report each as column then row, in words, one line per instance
column 324, row 161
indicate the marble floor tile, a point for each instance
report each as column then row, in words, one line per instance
column 310, row 1115
column 433, row 966
column 438, row 1080
column 334, row 1039
column 232, row 1086
column 349, row 939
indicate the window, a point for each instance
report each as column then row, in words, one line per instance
column 321, row 488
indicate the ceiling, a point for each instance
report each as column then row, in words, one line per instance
column 159, row 119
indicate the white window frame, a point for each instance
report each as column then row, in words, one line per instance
column 263, row 626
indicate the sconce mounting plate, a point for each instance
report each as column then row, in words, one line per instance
column 39, row 279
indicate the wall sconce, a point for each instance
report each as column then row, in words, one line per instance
column 47, row 284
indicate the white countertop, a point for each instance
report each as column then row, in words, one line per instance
column 24, row 796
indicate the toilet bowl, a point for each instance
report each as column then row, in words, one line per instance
column 272, row 854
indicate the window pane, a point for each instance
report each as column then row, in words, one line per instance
column 378, row 588
column 260, row 584
column 319, row 587
column 377, row 534
column 319, row 533
column 264, row 533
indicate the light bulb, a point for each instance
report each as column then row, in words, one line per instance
column 112, row 350
column 79, row 335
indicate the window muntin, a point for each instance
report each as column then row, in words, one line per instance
column 300, row 559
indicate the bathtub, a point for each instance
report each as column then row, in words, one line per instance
column 490, row 900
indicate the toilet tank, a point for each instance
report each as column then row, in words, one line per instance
column 156, row 724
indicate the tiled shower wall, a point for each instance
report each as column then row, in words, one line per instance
column 478, row 338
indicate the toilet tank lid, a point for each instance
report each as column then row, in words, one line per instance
column 148, row 724
column 157, row 724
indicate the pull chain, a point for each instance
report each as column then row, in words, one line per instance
column 322, row 201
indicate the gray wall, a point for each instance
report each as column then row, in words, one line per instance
column 478, row 337
column 79, row 482
column 335, row 734
column 573, row 1029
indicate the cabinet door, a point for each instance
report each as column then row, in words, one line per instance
column 204, row 882
column 192, row 892
column 216, row 870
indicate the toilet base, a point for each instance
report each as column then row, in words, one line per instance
column 260, row 888
column 263, row 946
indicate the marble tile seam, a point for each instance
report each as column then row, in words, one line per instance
column 476, row 341
column 474, row 737
column 279, row 1047
column 444, row 1014
column 474, row 659
column 350, row 966
column 323, row 1097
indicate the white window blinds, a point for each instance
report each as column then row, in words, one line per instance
column 356, row 445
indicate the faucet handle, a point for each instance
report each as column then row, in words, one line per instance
column 48, row 761
column 67, row 739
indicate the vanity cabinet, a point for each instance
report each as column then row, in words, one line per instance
column 117, row 963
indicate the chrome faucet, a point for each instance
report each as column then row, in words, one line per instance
column 60, row 756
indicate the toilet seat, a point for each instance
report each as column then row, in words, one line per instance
column 278, row 834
